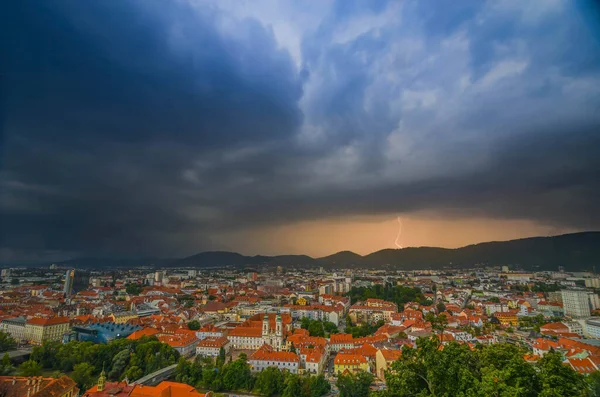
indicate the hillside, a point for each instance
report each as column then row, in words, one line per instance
column 577, row 251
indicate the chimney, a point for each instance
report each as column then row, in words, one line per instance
column 28, row 391
column 28, row 381
column 14, row 380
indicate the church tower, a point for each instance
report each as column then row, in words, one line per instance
column 102, row 381
column 265, row 329
column 278, row 332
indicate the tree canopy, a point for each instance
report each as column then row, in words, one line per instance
column 495, row 370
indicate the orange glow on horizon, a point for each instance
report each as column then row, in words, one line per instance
column 364, row 235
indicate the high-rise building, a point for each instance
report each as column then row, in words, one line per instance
column 75, row 281
column 576, row 303
column 69, row 277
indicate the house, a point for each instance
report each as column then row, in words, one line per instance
column 383, row 360
column 212, row 346
column 37, row 386
column 350, row 362
column 15, row 327
column 39, row 330
column 184, row 343
column 267, row 356
column 123, row 317
column 372, row 310
column 124, row 389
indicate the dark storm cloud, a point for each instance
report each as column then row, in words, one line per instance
column 146, row 127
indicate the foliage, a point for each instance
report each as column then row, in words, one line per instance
column 133, row 289
column 495, row 370
column 532, row 322
column 6, row 366
column 351, row 385
column 30, row 368
column 236, row 376
column 6, row 342
column 269, row 382
column 121, row 357
column 398, row 294
column 440, row 307
column 82, row 374
column 194, row 325
column 359, row 331
column 318, row 327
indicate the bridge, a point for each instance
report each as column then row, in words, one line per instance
column 16, row 355
column 156, row 377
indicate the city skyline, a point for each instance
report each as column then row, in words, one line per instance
column 273, row 127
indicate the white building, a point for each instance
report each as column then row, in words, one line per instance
column 266, row 357
column 15, row 327
column 592, row 328
column 576, row 303
column 211, row 346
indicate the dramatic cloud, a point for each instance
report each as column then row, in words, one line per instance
column 161, row 128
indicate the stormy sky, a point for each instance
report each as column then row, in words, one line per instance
column 147, row 127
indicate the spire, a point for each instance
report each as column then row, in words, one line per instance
column 102, row 380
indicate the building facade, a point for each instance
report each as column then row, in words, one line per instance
column 15, row 327
column 576, row 303
column 40, row 330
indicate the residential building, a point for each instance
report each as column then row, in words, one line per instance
column 372, row 310
column 184, row 343
column 383, row 360
column 15, row 327
column 592, row 328
column 37, row 386
column 267, row 356
column 212, row 346
column 576, row 303
column 125, row 389
column 350, row 362
column 123, row 317
column 39, row 330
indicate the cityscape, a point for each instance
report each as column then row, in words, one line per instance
column 272, row 330
column 300, row 198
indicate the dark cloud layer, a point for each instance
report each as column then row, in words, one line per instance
column 145, row 127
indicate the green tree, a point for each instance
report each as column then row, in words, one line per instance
column 293, row 386
column 558, row 379
column 194, row 325
column 119, row 363
column 351, row 385
column 237, row 376
column 133, row 289
column 30, row 368
column 594, row 383
column 319, row 386
column 440, row 307
column 269, row 382
column 6, row 342
column 82, row 374
column 6, row 366
column 316, row 328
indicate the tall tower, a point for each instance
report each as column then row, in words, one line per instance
column 102, row 380
column 69, row 278
column 265, row 329
column 278, row 332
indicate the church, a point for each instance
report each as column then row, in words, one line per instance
column 269, row 328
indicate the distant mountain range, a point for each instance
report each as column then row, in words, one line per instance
column 576, row 251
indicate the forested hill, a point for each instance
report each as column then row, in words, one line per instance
column 576, row 251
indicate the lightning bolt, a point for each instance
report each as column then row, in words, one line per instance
column 399, row 233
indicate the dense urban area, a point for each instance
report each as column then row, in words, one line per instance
column 281, row 331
